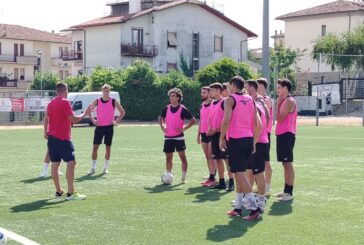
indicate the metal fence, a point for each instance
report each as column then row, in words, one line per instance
column 24, row 107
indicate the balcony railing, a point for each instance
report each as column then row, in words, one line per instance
column 4, row 82
column 72, row 55
column 139, row 50
column 23, row 60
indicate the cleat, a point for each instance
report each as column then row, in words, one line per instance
column 221, row 186
column 208, row 183
column 59, row 195
column 105, row 171
column 235, row 212
column 91, row 171
column 285, row 198
column 254, row 215
column 231, row 187
column 75, row 196
column 279, row 194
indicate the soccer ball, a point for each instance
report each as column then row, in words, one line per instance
column 167, row 178
column 3, row 238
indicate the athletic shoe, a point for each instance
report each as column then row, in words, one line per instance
column 279, row 194
column 286, row 197
column 220, row 186
column 43, row 174
column 75, row 196
column 254, row 215
column 92, row 171
column 235, row 212
column 183, row 181
column 105, row 171
column 231, row 187
column 59, row 195
column 208, row 183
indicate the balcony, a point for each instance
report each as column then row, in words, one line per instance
column 72, row 55
column 139, row 50
column 5, row 82
column 22, row 60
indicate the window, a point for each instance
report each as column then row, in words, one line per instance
column 16, row 73
column 1, row 72
column 16, row 49
column 323, row 30
column 195, row 51
column 0, row 48
column 60, row 52
column 21, row 49
column 60, row 74
column 218, row 44
column 22, row 74
column 66, row 74
column 171, row 67
column 77, row 106
column 65, row 50
column 172, row 39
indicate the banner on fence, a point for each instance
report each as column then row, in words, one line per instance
column 5, row 104
column 37, row 104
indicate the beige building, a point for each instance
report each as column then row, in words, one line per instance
column 159, row 31
column 303, row 27
column 25, row 50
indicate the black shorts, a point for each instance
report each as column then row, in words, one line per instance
column 171, row 145
column 60, row 150
column 104, row 132
column 267, row 159
column 257, row 160
column 239, row 151
column 217, row 154
column 285, row 145
column 205, row 139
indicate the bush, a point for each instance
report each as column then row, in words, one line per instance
column 77, row 84
column 102, row 75
column 140, row 74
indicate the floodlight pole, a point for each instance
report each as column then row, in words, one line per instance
column 265, row 43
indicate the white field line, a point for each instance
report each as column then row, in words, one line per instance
column 20, row 239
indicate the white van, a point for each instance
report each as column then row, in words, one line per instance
column 80, row 101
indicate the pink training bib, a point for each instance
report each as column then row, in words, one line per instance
column 270, row 125
column 173, row 122
column 204, row 117
column 263, row 137
column 216, row 115
column 242, row 118
column 289, row 124
column 105, row 112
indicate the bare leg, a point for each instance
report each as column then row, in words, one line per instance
column 268, row 173
column 94, row 152
column 169, row 161
column 260, row 180
column 55, row 176
column 288, row 173
column 182, row 156
column 250, row 176
column 108, row 152
column 70, row 173
column 47, row 159
column 208, row 154
column 220, row 168
column 230, row 174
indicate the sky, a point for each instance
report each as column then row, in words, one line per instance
column 56, row 15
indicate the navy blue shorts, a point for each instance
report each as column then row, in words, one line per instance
column 60, row 150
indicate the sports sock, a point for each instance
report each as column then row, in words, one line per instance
column 184, row 175
column 252, row 204
column 239, row 200
column 45, row 167
column 290, row 189
column 212, row 177
column 94, row 164
column 106, row 165
column 267, row 188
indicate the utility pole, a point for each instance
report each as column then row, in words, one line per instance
column 265, row 42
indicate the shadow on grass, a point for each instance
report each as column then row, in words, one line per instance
column 89, row 177
column 281, row 208
column 236, row 228
column 204, row 194
column 162, row 188
column 33, row 180
column 36, row 205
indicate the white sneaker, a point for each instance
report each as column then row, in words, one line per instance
column 43, row 174
column 279, row 194
column 105, row 171
column 91, row 171
column 233, row 203
column 286, row 197
column 75, row 196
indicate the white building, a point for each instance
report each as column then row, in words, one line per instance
column 24, row 50
column 158, row 31
column 303, row 27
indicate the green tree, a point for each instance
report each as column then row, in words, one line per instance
column 140, row 73
column 186, row 68
column 338, row 50
column 102, row 75
column 78, row 83
column 44, row 81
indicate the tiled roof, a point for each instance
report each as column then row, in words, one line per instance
column 25, row 33
column 328, row 8
column 107, row 20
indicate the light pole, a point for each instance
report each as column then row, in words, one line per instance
column 265, row 42
column 41, row 78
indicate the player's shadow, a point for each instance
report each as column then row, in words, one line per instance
column 33, row 180
column 281, row 208
column 236, row 228
column 163, row 188
column 205, row 194
column 89, row 177
column 36, row 205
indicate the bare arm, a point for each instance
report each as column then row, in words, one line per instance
column 257, row 127
column 266, row 109
column 93, row 105
column 121, row 111
column 161, row 123
column 190, row 124
column 45, row 125
column 76, row 119
column 282, row 112
column 228, row 108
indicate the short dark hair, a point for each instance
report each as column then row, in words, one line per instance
column 252, row 83
column 224, row 86
column 61, row 87
column 237, row 81
column 263, row 81
column 206, row 88
column 178, row 92
column 217, row 86
column 284, row 82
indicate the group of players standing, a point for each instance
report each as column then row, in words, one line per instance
column 236, row 121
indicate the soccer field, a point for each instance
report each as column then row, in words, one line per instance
column 130, row 206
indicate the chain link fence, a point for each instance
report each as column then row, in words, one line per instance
column 24, row 107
